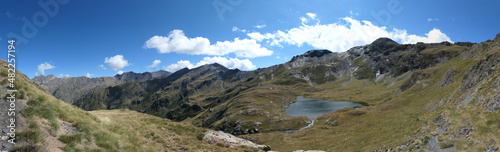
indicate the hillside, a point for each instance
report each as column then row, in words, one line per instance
column 435, row 97
column 71, row 89
column 44, row 123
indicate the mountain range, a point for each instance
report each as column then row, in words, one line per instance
column 436, row 97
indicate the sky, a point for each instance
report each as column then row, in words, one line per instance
column 92, row 38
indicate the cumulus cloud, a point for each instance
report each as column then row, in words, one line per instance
column 155, row 63
column 342, row 35
column 179, row 65
column 231, row 63
column 176, row 41
column 433, row 36
column 88, row 75
column 44, row 66
column 116, row 62
column 119, row 72
column 311, row 15
column 260, row 26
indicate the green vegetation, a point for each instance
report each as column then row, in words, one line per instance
column 115, row 130
column 446, row 144
column 393, row 118
column 405, row 110
column 69, row 139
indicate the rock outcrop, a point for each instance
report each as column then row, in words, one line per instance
column 228, row 140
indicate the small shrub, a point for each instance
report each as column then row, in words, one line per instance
column 42, row 98
column 222, row 144
column 32, row 135
column 44, row 111
column 446, row 144
column 4, row 72
column 440, row 138
column 72, row 147
column 21, row 94
column 27, row 148
column 4, row 81
column 200, row 136
column 68, row 139
column 426, row 139
column 357, row 112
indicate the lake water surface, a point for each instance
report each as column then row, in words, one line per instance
column 313, row 108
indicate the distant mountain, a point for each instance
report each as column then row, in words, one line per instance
column 72, row 88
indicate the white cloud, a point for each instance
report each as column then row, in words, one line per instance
column 231, row 63
column 352, row 13
column 303, row 19
column 119, row 72
column 44, row 66
column 155, row 63
column 311, row 15
column 176, row 41
column 88, row 75
column 260, row 26
column 342, row 35
column 179, row 65
column 433, row 36
column 116, row 62
column 238, row 29
column 432, row 19
column 102, row 67
column 63, row 75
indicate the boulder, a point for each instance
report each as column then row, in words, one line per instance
column 214, row 137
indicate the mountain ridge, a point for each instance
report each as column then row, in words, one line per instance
column 407, row 87
column 70, row 88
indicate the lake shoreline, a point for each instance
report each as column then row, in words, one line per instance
column 313, row 108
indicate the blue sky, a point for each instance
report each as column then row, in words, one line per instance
column 103, row 38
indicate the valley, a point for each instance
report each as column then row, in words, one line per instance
column 427, row 97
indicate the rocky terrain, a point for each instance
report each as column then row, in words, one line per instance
column 71, row 89
column 434, row 97
column 44, row 123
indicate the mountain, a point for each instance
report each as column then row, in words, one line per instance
column 434, row 97
column 44, row 123
column 71, row 89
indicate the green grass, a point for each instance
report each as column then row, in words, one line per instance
column 33, row 134
column 393, row 118
column 39, row 107
column 116, row 130
column 446, row 144
column 68, row 139
column 390, row 120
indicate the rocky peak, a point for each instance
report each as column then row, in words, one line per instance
column 213, row 66
column 384, row 40
column 51, row 76
column 316, row 53
column 497, row 38
column 132, row 76
column 313, row 54
column 160, row 73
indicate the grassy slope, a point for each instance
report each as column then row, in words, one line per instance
column 393, row 119
column 115, row 130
